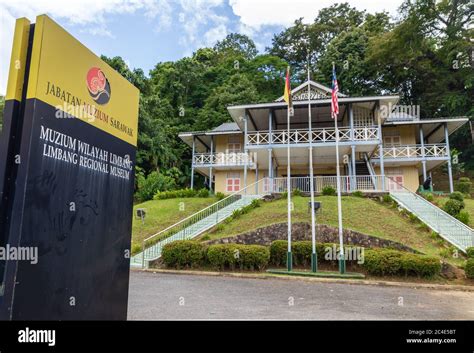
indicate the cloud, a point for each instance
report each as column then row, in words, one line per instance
column 197, row 15
column 89, row 15
column 256, row 14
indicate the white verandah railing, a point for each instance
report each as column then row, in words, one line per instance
column 303, row 136
column 221, row 158
column 413, row 151
column 367, row 183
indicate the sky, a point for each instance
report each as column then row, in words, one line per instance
column 145, row 32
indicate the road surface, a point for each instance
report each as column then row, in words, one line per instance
column 157, row 296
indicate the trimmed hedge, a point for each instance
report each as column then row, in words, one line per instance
column 394, row 262
column 470, row 252
column 469, row 268
column 245, row 257
column 173, row 194
column 184, row 253
column 301, row 251
column 376, row 261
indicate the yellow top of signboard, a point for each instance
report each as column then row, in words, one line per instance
column 68, row 76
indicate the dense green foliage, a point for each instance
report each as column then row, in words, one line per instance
column 470, row 252
column 424, row 56
column 469, row 268
column 329, row 191
column 173, row 194
column 464, row 185
column 184, row 253
column 232, row 256
column 375, row 261
column 189, row 253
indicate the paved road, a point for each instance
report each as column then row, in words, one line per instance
column 156, row 296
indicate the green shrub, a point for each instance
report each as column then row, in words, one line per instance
column 358, row 193
column 230, row 256
column 470, row 252
column 464, row 185
column 203, row 193
column 413, row 218
column 394, row 262
column 278, row 251
column 428, row 196
column 453, row 207
column 297, row 192
column 329, row 191
column 387, row 198
column 382, row 262
column 434, row 235
column 184, row 253
column 254, row 257
column 220, row 195
column 463, row 216
column 456, row 196
column 300, row 250
column 136, row 248
column 420, row 265
column 255, row 203
column 469, row 268
column 172, row 194
column 446, row 253
column 154, row 182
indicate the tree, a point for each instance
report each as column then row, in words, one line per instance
column 237, row 43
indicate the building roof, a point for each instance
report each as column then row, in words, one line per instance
column 226, row 127
column 317, row 91
column 202, row 139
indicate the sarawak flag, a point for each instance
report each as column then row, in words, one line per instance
column 287, row 94
column 335, row 90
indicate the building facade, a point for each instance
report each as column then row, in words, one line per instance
column 382, row 146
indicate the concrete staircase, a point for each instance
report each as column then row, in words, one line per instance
column 448, row 227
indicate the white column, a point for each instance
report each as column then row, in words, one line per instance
column 382, row 168
column 448, row 150
column 192, row 163
column 423, row 160
column 210, row 168
column 351, row 124
column 246, row 151
column 354, row 173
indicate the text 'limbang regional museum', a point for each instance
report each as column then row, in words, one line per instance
column 383, row 148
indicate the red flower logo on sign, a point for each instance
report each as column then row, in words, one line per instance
column 98, row 85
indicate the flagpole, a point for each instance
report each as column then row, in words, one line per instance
column 342, row 262
column 314, row 257
column 289, row 259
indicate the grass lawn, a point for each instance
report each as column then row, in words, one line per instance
column 360, row 214
column 469, row 207
column 164, row 213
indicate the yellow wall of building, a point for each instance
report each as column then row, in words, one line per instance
column 407, row 133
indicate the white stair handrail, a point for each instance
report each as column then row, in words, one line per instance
column 438, row 209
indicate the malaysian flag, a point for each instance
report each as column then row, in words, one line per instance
column 335, row 90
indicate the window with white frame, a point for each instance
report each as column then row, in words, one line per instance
column 390, row 141
column 233, row 182
column 234, row 144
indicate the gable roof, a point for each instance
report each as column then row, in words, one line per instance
column 318, row 91
column 225, row 127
